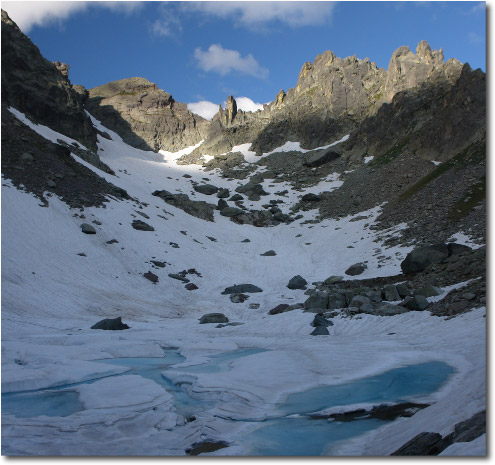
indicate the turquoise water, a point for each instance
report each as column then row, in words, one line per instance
column 291, row 431
column 305, row 436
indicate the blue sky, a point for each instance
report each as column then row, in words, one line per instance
column 204, row 51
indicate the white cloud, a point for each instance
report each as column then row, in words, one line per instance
column 474, row 38
column 166, row 26
column 255, row 14
column 224, row 61
column 204, row 108
column 29, row 14
column 209, row 109
column 246, row 104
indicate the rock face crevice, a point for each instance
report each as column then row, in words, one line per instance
column 145, row 116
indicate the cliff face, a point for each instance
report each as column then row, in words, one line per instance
column 145, row 116
column 41, row 89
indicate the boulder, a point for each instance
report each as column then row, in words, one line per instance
column 231, row 211
column 241, row 288
column 320, row 320
column 110, row 324
column 87, row 229
column 428, row 291
column 421, row 444
column 223, row 193
column 178, row 277
column 236, row 198
column 456, row 249
column 297, row 282
column 151, row 276
column 336, row 300
column 333, row 280
column 318, row 300
column 403, row 290
column 362, row 303
column 321, row 157
column 142, row 226
column 320, row 331
column 416, row 302
column 355, row 269
column 420, row 258
column 213, row 318
column 269, row 253
column 310, row 198
column 199, row 209
column 207, row 189
column 222, row 204
column 191, row 287
column 390, row 293
column 281, row 308
column 386, row 309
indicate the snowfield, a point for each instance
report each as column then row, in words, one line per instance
column 51, row 296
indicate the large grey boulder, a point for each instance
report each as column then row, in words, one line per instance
column 297, row 282
column 281, row 308
column 241, row 288
column 390, row 293
column 386, row 309
column 110, row 324
column 87, row 229
column 362, row 303
column 416, row 302
column 420, row 258
column 457, row 249
column 336, row 300
column 428, row 291
column 142, row 226
column 320, row 331
column 321, row 157
column 197, row 208
column 213, row 318
column 207, row 189
column 318, row 300
column 223, row 193
column 421, row 444
column 231, row 211
column 356, row 269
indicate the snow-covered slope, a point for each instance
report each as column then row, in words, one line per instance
column 57, row 282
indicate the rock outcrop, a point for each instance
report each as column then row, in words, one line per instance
column 145, row 116
column 41, row 89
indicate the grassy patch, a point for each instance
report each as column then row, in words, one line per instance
column 389, row 155
column 473, row 196
column 472, row 155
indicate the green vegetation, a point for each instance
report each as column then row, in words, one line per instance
column 381, row 160
column 473, row 196
column 472, row 155
column 127, row 93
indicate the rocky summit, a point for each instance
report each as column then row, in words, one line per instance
column 285, row 275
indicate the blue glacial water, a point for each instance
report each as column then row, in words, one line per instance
column 303, row 436
column 290, row 431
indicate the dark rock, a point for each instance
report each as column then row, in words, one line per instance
column 336, row 300
column 199, row 209
column 467, row 430
column 416, row 302
column 311, row 198
column 207, row 189
column 254, row 306
column 420, row 258
column 158, row 263
column 205, row 446
column 222, row 204
column 428, row 291
column 212, row 239
column 297, row 282
column 321, row 157
column 457, row 249
column 213, row 318
column 320, row 320
column 151, row 276
column 390, row 293
column 110, row 324
column 269, row 253
column 178, row 277
column 281, row 308
column 245, row 240
column 362, row 303
column 355, row 269
column 87, row 229
column 191, row 286
column 231, row 211
column 236, row 198
column 142, row 226
column 386, row 309
column 333, row 280
column 421, row 444
column 112, row 241
column 241, row 288
column 403, row 290
column 223, row 193
column 320, row 331
column 318, row 300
